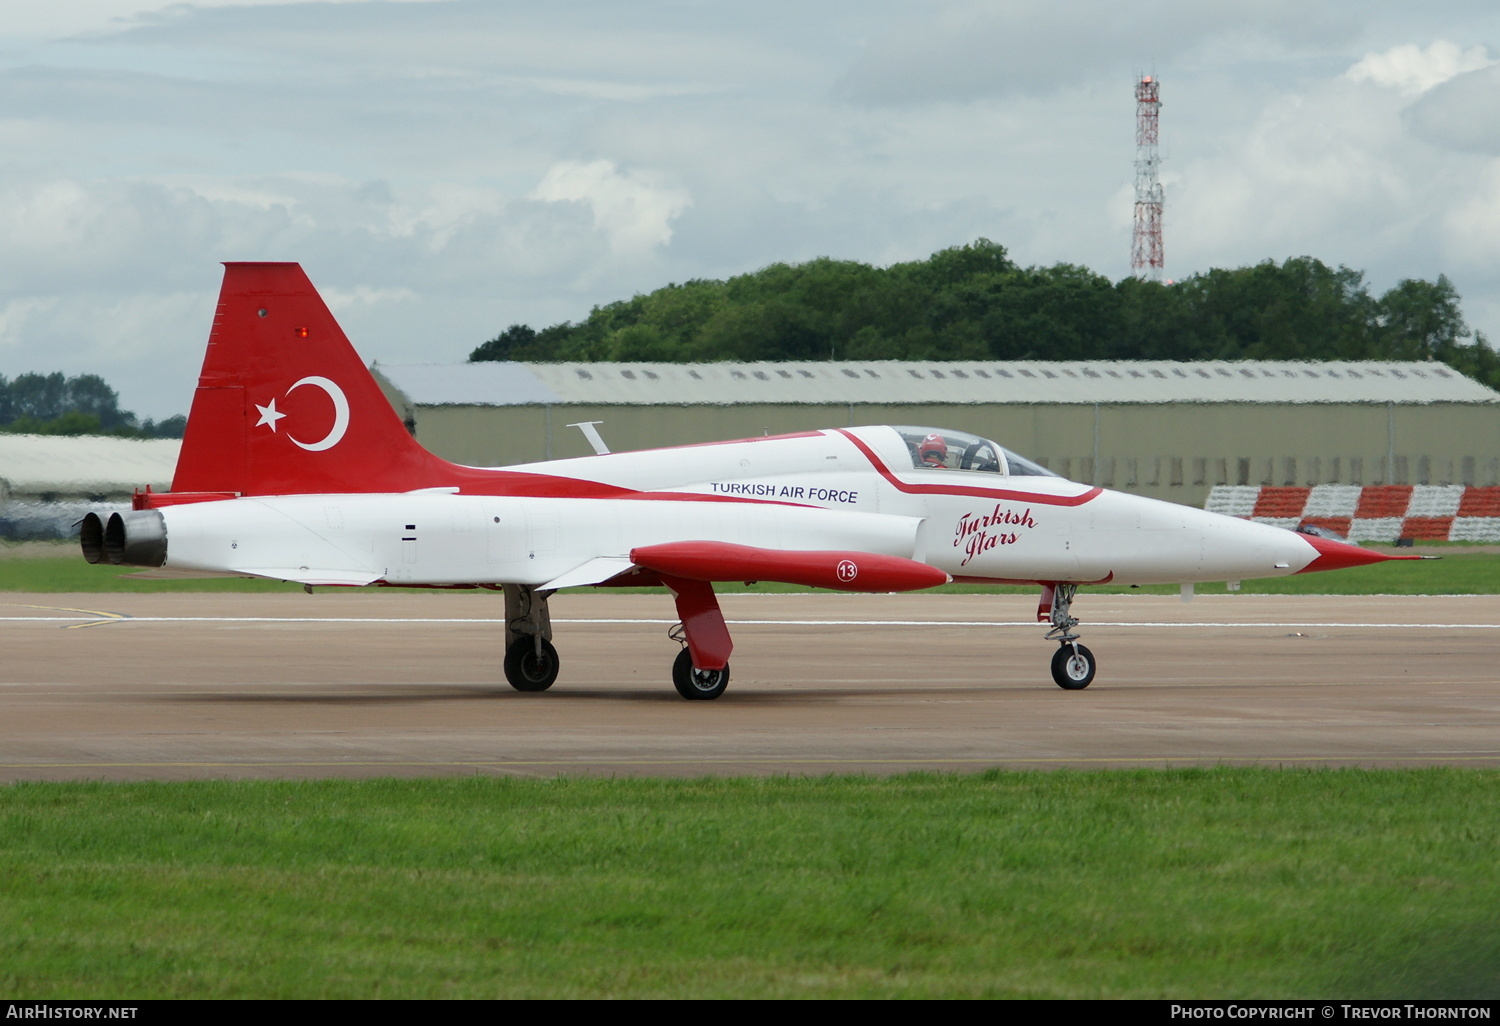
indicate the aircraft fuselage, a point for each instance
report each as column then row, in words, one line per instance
column 822, row 490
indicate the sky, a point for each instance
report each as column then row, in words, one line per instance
column 445, row 168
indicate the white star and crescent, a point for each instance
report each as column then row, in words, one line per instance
column 269, row 415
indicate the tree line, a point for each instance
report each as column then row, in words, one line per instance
column 51, row 404
column 973, row 302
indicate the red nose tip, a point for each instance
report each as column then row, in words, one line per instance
column 1336, row 555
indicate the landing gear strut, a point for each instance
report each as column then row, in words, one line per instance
column 701, row 670
column 1073, row 665
column 531, row 662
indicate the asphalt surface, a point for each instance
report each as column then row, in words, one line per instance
column 172, row 686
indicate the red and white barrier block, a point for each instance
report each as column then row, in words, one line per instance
column 1373, row 513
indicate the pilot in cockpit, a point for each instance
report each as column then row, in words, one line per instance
column 932, row 452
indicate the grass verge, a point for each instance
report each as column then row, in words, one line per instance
column 1182, row 883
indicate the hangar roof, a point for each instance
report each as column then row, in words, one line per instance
column 891, row 382
column 487, row 383
column 85, row 465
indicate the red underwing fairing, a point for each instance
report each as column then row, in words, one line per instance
column 295, row 467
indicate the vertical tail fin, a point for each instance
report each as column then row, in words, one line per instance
column 285, row 405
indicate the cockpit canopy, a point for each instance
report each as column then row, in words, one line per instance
column 944, row 449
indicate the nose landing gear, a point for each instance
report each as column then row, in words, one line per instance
column 1073, row 665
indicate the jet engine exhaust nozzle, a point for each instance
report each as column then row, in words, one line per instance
column 136, row 538
column 91, row 537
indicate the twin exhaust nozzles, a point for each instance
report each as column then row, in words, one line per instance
column 136, row 538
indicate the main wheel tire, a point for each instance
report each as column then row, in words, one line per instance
column 528, row 671
column 695, row 684
column 1073, row 668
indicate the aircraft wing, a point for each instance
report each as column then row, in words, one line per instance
column 595, row 571
column 305, row 575
column 177, row 574
column 301, row 575
column 842, row 571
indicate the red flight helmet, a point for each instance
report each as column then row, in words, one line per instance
column 933, row 449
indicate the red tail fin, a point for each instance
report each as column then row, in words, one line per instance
column 285, row 405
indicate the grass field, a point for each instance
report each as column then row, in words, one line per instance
column 1190, row 883
column 1194, row 883
column 47, row 567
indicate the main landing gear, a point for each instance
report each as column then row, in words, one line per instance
column 1073, row 665
column 700, row 671
column 531, row 662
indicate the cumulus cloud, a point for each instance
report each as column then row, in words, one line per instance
column 1473, row 224
column 1461, row 113
column 1312, row 167
column 1384, row 168
column 426, row 273
column 1413, row 70
column 634, row 209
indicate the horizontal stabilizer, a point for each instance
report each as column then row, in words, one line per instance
column 842, row 571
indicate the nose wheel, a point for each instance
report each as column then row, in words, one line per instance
column 1073, row 667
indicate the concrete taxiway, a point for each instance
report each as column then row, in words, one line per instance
column 169, row 686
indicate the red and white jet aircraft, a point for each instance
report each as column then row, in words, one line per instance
column 295, row 467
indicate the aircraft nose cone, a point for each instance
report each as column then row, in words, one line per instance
column 1337, row 555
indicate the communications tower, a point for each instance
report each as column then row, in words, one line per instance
column 1146, row 257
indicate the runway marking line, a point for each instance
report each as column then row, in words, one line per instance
column 98, row 617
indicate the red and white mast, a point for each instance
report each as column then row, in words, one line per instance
column 1146, row 257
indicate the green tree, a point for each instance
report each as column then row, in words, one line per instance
column 38, row 396
column 974, row 302
column 84, row 404
column 514, row 343
column 1421, row 320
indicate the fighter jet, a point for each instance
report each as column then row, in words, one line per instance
column 295, row 467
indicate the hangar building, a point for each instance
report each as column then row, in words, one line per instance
column 1165, row 429
column 48, row 482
